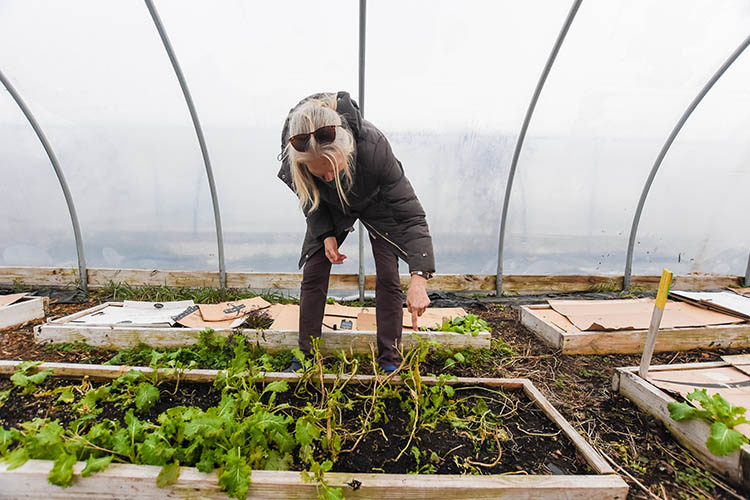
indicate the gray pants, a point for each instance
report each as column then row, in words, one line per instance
column 388, row 299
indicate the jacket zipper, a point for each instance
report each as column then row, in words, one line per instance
column 386, row 239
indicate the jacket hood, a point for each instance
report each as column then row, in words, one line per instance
column 351, row 119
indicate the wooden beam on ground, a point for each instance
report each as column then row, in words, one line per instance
column 123, row 337
column 691, row 433
column 27, row 309
column 139, row 482
column 521, row 284
column 632, row 341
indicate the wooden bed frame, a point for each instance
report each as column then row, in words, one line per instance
column 139, row 481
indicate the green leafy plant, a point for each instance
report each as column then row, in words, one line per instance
column 720, row 413
column 470, row 324
column 27, row 378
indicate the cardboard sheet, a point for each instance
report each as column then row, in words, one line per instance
column 286, row 317
column 635, row 314
column 192, row 318
column 337, row 309
column 135, row 313
column 557, row 319
column 6, row 300
column 433, row 316
column 232, row 310
column 731, row 383
column 741, row 291
column 726, row 302
column 739, row 361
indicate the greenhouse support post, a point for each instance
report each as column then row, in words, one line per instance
column 747, row 272
column 361, row 96
column 199, row 132
column 522, row 134
column 82, row 273
column 663, row 153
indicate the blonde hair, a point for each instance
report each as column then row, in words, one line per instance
column 307, row 118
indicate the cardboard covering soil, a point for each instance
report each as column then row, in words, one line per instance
column 136, row 313
column 339, row 317
column 6, row 300
column 635, row 314
column 732, row 383
column 741, row 291
column 726, row 302
column 222, row 316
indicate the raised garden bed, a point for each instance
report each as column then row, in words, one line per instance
column 25, row 309
column 631, row 341
column 692, row 433
column 538, row 437
column 122, row 337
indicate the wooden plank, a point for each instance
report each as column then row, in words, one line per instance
column 632, row 341
column 109, row 372
column 528, row 284
column 593, row 458
column 691, row 433
column 85, row 312
column 668, row 340
column 123, row 337
column 522, row 284
column 139, row 482
column 549, row 333
column 27, row 309
column 38, row 276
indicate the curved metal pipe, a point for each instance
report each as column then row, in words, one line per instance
column 199, row 132
column 361, row 94
column 522, row 135
column 663, row 153
column 82, row 273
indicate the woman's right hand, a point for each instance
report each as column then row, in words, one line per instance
column 332, row 250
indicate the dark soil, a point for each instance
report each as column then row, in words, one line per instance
column 529, row 442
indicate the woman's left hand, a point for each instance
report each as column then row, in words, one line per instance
column 416, row 298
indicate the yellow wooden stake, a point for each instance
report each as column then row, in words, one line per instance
column 653, row 329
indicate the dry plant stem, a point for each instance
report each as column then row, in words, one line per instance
column 415, row 397
column 497, row 460
column 630, row 476
column 714, row 479
column 539, row 434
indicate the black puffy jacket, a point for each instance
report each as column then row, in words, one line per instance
column 380, row 196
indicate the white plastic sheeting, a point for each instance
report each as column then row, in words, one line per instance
column 448, row 82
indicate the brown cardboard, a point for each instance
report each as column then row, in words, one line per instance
column 730, row 382
column 195, row 320
column 433, row 316
column 724, row 302
column 337, row 309
column 232, row 310
column 739, row 361
column 286, row 317
column 557, row 319
column 635, row 314
column 6, row 300
column 366, row 322
column 742, row 291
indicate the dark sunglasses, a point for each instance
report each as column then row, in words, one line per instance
column 324, row 135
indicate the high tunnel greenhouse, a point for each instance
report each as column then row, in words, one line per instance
column 547, row 288
column 601, row 138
